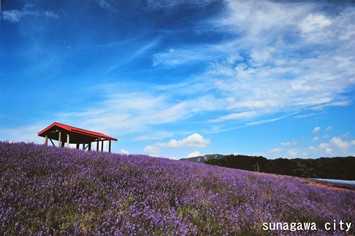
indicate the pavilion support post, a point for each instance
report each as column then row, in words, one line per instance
column 97, row 145
column 68, row 137
column 52, row 142
column 77, row 145
column 102, row 145
column 46, row 140
column 89, row 146
column 109, row 146
column 84, row 146
column 60, row 139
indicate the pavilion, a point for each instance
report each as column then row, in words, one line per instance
column 66, row 134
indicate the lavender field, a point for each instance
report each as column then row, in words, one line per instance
column 51, row 191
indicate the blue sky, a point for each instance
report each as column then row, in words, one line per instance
column 183, row 78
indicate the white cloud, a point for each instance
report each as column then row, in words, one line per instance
column 152, row 150
column 326, row 147
column 312, row 148
column 194, row 154
column 275, row 150
column 336, row 141
column 124, row 152
column 316, row 129
column 314, row 22
column 194, row 140
column 337, row 144
column 292, row 153
column 260, row 56
column 285, row 153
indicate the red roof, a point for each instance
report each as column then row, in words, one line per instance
column 76, row 131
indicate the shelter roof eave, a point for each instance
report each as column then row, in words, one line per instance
column 76, row 131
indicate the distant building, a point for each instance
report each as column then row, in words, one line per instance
column 66, row 135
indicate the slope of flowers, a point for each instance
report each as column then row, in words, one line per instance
column 46, row 190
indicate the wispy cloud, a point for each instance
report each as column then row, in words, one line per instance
column 272, row 63
column 136, row 112
column 27, row 11
column 234, row 116
column 166, row 4
column 188, row 55
column 267, row 120
column 107, row 4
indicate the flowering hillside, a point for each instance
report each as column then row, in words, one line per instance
column 46, row 190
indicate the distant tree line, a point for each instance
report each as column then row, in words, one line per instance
column 328, row 168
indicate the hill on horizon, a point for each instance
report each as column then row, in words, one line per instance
column 61, row 191
column 326, row 168
column 219, row 156
column 204, row 158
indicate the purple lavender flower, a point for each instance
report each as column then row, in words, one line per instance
column 46, row 190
